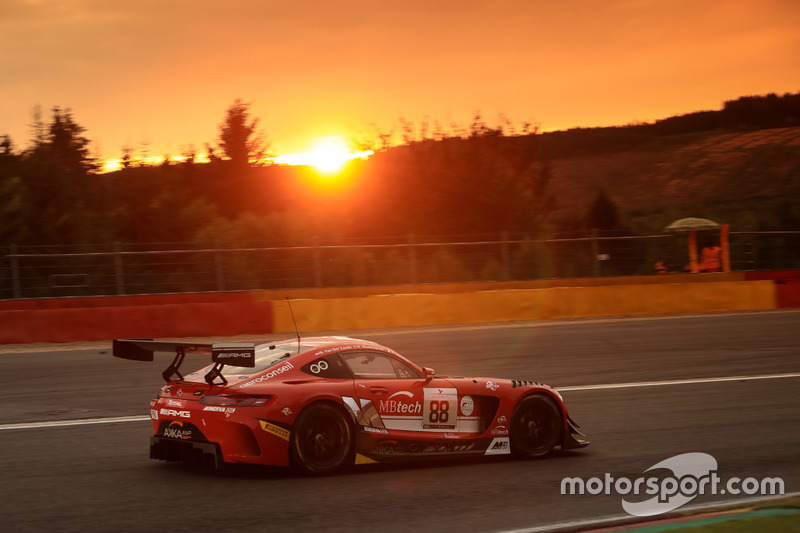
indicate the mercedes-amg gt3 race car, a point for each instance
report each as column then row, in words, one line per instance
column 320, row 404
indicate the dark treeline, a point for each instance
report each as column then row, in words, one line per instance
column 745, row 113
column 481, row 180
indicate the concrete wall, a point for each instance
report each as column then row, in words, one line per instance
column 267, row 312
column 522, row 304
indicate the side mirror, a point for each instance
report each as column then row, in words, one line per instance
column 429, row 372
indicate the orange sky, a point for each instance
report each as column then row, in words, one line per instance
column 164, row 72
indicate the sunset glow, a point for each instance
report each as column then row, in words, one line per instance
column 328, row 156
column 585, row 65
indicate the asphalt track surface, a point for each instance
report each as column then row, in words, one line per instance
column 98, row 477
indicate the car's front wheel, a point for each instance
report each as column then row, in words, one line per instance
column 321, row 441
column 536, row 426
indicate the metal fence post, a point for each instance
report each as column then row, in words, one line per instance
column 15, row 282
column 219, row 269
column 505, row 255
column 119, row 274
column 317, row 263
column 412, row 259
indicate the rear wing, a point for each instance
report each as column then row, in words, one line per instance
column 222, row 353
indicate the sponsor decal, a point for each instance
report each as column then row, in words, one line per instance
column 492, row 386
column 175, row 403
column 176, row 431
column 498, row 446
column 174, row 413
column 393, row 447
column 375, row 430
column 153, row 414
column 450, row 436
column 467, row 405
column 286, row 411
column 275, row 430
column 219, row 409
column 402, row 393
column 400, row 407
column 386, row 447
column 269, row 375
column 180, row 391
column 502, row 420
column 318, row 367
column 500, row 430
column 235, row 355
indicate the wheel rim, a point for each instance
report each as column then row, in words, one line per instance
column 322, row 441
column 536, row 427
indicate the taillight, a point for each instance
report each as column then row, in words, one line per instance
column 234, row 400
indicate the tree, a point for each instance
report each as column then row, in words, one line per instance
column 603, row 214
column 12, row 194
column 239, row 139
column 57, row 174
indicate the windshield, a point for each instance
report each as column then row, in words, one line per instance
column 266, row 356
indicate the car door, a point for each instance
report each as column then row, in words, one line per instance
column 395, row 396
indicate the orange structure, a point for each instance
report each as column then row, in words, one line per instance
column 717, row 258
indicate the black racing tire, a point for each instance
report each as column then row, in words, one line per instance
column 536, row 426
column 322, row 441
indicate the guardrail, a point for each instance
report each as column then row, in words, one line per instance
column 46, row 272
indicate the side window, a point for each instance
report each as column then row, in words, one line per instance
column 330, row 366
column 373, row 365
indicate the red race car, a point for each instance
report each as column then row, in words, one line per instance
column 320, row 404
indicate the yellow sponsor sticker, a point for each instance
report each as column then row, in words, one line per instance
column 275, row 430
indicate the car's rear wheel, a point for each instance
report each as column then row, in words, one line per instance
column 536, row 426
column 321, row 441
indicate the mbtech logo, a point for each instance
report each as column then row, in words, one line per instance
column 693, row 474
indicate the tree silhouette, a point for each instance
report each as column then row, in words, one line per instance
column 239, row 139
column 57, row 174
column 603, row 214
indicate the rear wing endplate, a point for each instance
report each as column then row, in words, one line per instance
column 222, row 353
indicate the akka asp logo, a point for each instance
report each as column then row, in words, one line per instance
column 176, row 431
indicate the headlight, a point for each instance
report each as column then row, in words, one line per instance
column 234, row 400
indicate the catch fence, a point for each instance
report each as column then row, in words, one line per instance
column 61, row 271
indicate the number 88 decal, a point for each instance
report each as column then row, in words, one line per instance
column 439, row 412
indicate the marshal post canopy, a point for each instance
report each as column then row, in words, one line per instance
column 692, row 224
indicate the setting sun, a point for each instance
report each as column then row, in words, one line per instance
column 328, row 156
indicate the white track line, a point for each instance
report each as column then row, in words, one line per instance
column 62, row 423
column 677, row 382
column 628, row 520
column 20, row 349
column 86, row 422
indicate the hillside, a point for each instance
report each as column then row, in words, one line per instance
column 733, row 176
